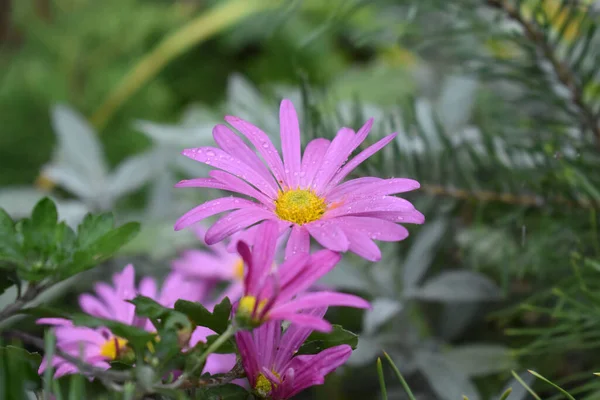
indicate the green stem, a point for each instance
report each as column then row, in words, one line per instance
column 225, row 336
column 199, row 29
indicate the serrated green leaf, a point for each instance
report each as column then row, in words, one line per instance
column 169, row 318
column 10, row 249
column 229, row 391
column 101, row 249
column 319, row 341
column 93, row 227
column 147, row 307
column 221, row 314
column 199, row 315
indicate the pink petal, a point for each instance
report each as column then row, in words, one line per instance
column 362, row 156
column 263, row 145
column 263, row 255
column 382, row 203
column 54, row 321
column 148, row 287
column 339, row 157
column 125, row 283
column 234, row 222
column 211, row 208
column 296, row 278
column 249, row 355
column 311, row 161
column 235, row 184
column 91, row 305
column 346, row 188
column 313, row 368
column 298, row 242
column 375, row 228
column 320, row 299
column 361, row 244
column 329, row 235
column 267, row 337
column 218, row 158
column 290, row 141
column 337, row 152
column 405, row 217
column 202, row 264
column 235, row 146
column 293, row 337
column 201, row 182
column 380, row 187
column 219, row 363
column 303, row 320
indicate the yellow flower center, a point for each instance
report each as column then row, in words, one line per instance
column 113, row 347
column 247, row 304
column 238, row 269
column 299, row 206
column 263, row 385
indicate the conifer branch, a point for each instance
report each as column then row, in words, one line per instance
column 562, row 71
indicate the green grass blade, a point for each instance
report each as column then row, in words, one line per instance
column 49, row 344
column 522, row 382
column 409, row 392
column 551, row 383
column 381, row 379
column 198, row 30
column 506, row 393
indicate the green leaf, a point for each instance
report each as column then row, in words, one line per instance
column 221, row 314
column 229, row 391
column 166, row 318
column 10, row 249
column 319, row 341
column 7, row 279
column 199, row 315
column 147, row 307
column 21, row 365
column 93, row 227
column 100, row 249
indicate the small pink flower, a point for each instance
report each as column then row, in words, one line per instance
column 304, row 193
column 276, row 294
column 272, row 366
column 99, row 346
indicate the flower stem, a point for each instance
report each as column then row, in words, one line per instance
column 224, row 337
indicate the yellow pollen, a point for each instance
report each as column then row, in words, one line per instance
column 263, row 385
column 238, row 269
column 247, row 304
column 113, row 347
column 299, row 206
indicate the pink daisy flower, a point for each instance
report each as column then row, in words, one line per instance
column 276, row 294
column 273, row 369
column 99, row 346
column 305, row 193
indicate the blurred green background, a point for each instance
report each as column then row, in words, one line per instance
column 499, row 125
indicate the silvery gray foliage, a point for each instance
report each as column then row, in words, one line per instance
column 397, row 285
column 19, row 201
column 79, row 165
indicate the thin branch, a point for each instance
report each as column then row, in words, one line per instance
column 562, row 71
column 104, row 375
column 506, row 198
column 31, row 293
column 237, row 372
